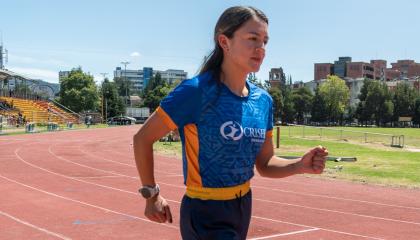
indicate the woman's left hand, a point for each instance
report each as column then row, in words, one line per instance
column 313, row 161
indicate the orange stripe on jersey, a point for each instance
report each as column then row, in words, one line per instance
column 269, row 134
column 191, row 150
column 166, row 119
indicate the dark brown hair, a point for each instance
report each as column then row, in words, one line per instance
column 230, row 21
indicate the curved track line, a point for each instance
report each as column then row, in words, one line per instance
column 58, row 235
column 258, row 217
column 85, row 203
column 295, row 205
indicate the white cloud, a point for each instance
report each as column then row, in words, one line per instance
column 37, row 73
column 135, row 54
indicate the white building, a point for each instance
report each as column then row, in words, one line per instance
column 140, row 78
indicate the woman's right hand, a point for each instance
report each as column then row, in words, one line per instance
column 157, row 210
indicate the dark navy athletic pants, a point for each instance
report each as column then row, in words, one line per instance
column 215, row 220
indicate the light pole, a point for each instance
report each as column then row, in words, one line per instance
column 125, row 81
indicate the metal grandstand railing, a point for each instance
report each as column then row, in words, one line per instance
column 66, row 108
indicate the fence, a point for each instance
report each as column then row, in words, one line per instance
column 310, row 132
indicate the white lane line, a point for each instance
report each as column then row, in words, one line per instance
column 262, row 200
column 322, row 196
column 86, row 204
column 183, row 187
column 131, row 156
column 35, row 227
column 112, row 176
column 325, row 229
column 107, row 160
column 335, row 211
column 336, row 198
column 284, row 234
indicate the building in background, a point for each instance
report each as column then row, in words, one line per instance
column 354, row 74
column 277, row 77
column 140, row 78
column 376, row 69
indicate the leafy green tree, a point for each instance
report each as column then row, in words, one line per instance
column 22, row 89
column 416, row 118
column 362, row 113
column 155, row 81
column 302, row 102
column 277, row 102
column 319, row 108
column 288, row 111
column 155, row 91
column 78, row 91
column 124, row 87
column 112, row 104
column 404, row 101
column 376, row 103
column 254, row 80
column 336, row 95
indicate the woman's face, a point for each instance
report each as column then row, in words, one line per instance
column 246, row 49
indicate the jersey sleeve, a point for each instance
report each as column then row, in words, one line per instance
column 181, row 106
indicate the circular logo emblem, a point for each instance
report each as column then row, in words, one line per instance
column 231, row 131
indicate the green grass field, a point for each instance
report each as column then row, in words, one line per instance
column 377, row 163
column 356, row 135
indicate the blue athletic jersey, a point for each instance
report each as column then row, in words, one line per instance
column 221, row 133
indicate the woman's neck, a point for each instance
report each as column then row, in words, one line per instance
column 234, row 79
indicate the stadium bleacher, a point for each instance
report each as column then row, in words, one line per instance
column 38, row 111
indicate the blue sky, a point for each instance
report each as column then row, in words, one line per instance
column 44, row 37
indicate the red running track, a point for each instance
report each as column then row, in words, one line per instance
column 82, row 184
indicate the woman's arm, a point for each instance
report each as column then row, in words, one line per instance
column 157, row 209
column 269, row 165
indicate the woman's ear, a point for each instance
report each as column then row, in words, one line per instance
column 223, row 42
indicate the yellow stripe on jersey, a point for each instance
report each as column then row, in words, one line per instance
column 226, row 193
column 191, row 151
column 166, row 119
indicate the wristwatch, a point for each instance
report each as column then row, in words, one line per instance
column 149, row 191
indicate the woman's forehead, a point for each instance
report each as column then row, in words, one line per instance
column 255, row 26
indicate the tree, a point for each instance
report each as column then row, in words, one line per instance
column 22, row 88
column 319, row 108
column 277, row 102
column 336, row 95
column 416, row 118
column 112, row 104
column 254, row 80
column 302, row 102
column 124, row 87
column 155, row 91
column 288, row 111
column 404, row 101
column 78, row 91
column 362, row 113
column 375, row 103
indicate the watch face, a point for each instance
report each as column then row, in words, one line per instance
column 145, row 192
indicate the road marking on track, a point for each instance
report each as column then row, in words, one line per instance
column 178, row 201
column 284, row 234
column 87, row 204
column 337, row 198
column 335, row 211
column 325, row 229
column 170, row 200
column 319, row 209
column 35, row 227
column 111, row 176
